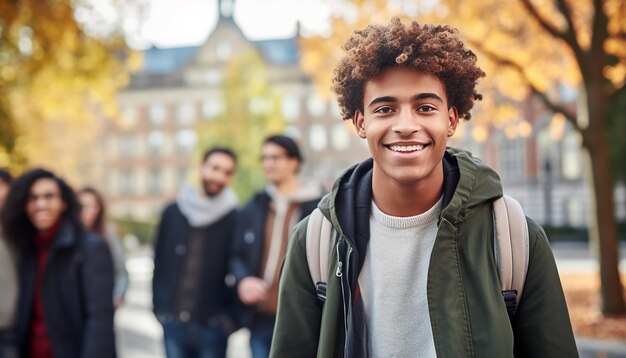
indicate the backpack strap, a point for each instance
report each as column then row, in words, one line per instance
column 320, row 238
column 511, row 249
column 510, row 246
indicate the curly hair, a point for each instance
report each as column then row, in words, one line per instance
column 435, row 49
column 17, row 228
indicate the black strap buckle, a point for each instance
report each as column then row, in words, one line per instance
column 510, row 300
column 320, row 290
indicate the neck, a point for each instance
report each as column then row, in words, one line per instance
column 288, row 186
column 407, row 199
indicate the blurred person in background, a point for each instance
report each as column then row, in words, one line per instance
column 94, row 217
column 262, row 234
column 190, row 295
column 8, row 279
column 65, row 273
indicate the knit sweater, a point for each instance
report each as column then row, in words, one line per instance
column 393, row 284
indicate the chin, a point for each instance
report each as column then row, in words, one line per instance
column 407, row 177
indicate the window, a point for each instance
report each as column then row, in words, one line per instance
column 293, row 132
column 157, row 113
column 211, row 108
column 512, row 159
column 259, row 105
column 290, row 107
column 575, row 211
column 212, row 77
column 185, row 141
column 127, row 145
column 111, row 150
column 317, row 137
column 316, row 106
column 127, row 182
column 154, row 181
column 572, row 167
column 111, row 183
column 340, row 136
column 129, row 116
column 185, row 113
column 181, row 177
column 156, row 142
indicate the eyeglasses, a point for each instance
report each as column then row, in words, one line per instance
column 272, row 157
column 45, row 196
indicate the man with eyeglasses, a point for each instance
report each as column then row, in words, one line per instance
column 262, row 234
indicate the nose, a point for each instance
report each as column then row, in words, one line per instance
column 406, row 122
column 40, row 202
column 220, row 177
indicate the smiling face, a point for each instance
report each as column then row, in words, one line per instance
column 217, row 172
column 45, row 205
column 406, row 122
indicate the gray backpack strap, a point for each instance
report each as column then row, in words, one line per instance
column 319, row 241
column 511, row 249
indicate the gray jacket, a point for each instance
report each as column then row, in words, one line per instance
column 8, row 282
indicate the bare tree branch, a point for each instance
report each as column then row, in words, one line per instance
column 571, row 32
column 542, row 21
column 568, row 36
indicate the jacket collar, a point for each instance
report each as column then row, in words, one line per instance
column 67, row 236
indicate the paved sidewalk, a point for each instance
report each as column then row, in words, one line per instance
column 577, row 257
column 591, row 348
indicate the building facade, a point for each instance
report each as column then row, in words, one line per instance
column 152, row 148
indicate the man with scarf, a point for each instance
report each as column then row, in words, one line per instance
column 261, row 237
column 190, row 296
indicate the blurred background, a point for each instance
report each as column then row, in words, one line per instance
column 125, row 95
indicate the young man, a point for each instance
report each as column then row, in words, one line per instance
column 263, row 227
column 191, row 299
column 413, row 273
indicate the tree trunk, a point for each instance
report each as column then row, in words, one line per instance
column 603, row 227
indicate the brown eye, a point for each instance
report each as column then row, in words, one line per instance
column 383, row 110
column 426, row 109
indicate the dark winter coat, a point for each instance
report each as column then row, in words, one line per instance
column 170, row 250
column 77, row 289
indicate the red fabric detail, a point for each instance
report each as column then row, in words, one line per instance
column 39, row 341
column 357, row 292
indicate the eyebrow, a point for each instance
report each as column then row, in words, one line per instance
column 425, row 95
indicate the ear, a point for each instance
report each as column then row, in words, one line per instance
column 453, row 120
column 358, row 121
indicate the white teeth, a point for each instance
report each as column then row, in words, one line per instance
column 406, row 148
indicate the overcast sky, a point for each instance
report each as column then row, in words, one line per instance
column 174, row 23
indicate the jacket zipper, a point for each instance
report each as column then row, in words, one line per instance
column 342, row 273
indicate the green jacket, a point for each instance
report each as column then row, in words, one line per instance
column 467, row 311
